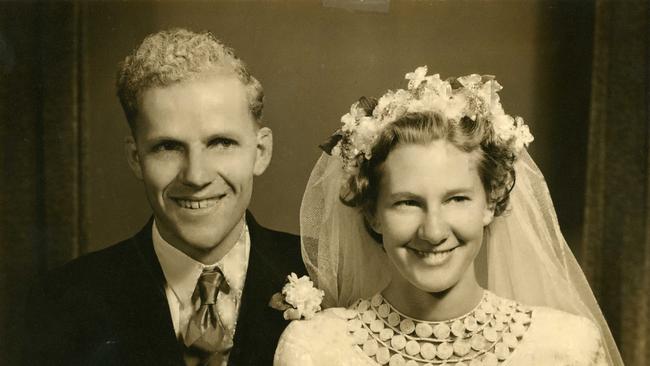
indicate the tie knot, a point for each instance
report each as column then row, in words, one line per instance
column 210, row 282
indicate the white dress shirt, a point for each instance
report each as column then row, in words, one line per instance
column 182, row 274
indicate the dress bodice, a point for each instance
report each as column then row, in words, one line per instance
column 497, row 332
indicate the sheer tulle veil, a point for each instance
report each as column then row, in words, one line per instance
column 527, row 258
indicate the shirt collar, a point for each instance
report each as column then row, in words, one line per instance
column 182, row 272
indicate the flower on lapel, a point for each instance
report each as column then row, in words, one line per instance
column 299, row 298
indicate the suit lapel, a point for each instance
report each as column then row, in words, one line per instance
column 148, row 331
column 258, row 326
column 142, row 313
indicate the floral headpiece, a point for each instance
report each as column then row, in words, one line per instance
column 471, row 96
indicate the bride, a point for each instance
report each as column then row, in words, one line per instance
column 432, row 233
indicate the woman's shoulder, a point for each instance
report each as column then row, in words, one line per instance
column 332, row 320
column 564, row 328
column 560, row 337
column 321, row 340
column 548, row 336
column 553, row 323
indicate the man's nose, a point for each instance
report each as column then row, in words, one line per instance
column 434, row 228
column 197, row 170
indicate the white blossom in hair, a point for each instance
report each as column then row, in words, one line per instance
column 473, row 96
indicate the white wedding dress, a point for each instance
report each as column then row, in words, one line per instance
column 497, row 332
column 526, row 259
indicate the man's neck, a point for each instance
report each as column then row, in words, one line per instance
column 209, row 255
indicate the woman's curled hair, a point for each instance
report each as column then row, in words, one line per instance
column 495, row 159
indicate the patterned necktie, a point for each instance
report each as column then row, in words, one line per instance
column 205, row 332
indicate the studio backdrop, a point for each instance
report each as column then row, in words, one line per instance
column 577, row 72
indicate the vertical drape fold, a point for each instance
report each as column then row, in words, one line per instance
column 615, row 251
column 40, row 159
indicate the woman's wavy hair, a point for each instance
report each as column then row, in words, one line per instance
column 495, row 161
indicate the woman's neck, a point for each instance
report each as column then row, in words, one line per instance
column 434, row 306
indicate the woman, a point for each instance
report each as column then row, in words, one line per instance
column 393, row 223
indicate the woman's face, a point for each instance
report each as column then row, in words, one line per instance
column 431, row 211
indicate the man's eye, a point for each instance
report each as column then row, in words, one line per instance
column 167, row 146
column 223, row 142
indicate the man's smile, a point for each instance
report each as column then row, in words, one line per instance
column 197, row 203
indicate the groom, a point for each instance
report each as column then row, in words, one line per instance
column 192, row 287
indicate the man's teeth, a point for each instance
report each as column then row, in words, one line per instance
column 191, row 204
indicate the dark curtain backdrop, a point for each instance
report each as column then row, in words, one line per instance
column 616, row 242
column 41, row 145
column 59, row 172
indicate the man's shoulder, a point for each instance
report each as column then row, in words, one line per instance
column 269, row 238
column 276, row 243
column 280, row 238
column 103, row 266
column 103, row 257
column 278, row 250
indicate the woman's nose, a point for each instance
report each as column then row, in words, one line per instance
column 434, row 228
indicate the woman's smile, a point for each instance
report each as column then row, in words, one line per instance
column 432, row 257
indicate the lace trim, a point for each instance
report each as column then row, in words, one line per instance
column 485, row 336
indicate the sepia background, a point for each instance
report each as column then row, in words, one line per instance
column 576, row 71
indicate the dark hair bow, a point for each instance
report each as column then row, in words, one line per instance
column 367, row 105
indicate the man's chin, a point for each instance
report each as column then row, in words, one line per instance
column 210, row 243
column 201, row 242
column 198, row 235
column 199, row 248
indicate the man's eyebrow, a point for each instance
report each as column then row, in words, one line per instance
column 226, row 135
column 221, row 135
column 159, row 139
column 154, row 142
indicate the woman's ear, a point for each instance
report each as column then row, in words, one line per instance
column 373, row 222
column 488, row 215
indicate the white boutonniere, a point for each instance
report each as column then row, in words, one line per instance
column 299, row 298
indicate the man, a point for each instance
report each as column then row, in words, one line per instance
column 192, row 287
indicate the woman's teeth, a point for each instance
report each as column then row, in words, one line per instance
column 433, row 257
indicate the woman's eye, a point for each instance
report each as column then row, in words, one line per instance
column 459, row 199
column 407, row 203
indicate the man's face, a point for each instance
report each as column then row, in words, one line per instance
column 197, row 149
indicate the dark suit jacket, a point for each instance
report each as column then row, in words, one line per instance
column 109, row 307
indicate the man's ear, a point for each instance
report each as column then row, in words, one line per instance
column 132, row 157
column 264, row 150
